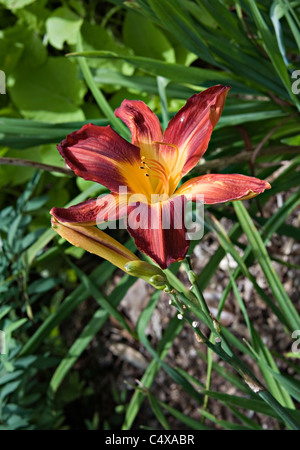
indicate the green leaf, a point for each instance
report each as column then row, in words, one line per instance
column 173, row 329
column 95, row 37
column 157, row 411
column 22, row 133
column 276, row 14
column 223, row 423
column 271, row 47
column 12, row 326
column 16, row 4
column 174, row 72
column 173, row 373
column 63, row 25
column 9, row 388
column 229, row 248
column 185, row 419
column 49, row 234
column 99, row 97
column 87, row 334
column 140, row 34
column 263, row 259
column 48, row 93
column 293, row 140
column 20, row 46
column 275, row 388
column 177, row 21
column 291, row 385
column 105, row 303
column 99, row 276
column 42, row 285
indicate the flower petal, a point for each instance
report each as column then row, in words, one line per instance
column 159, row 231
column 94, row 241
column 94, row 211
column 144, row 126
column 100, row 154
column 220, row 188
column 190, row 129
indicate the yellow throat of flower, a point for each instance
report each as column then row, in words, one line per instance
column 162, row 175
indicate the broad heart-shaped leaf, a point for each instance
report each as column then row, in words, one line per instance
column 16, row 4
column 63, row 25
column 145, row 38
column 50, row 92
column 19, row 45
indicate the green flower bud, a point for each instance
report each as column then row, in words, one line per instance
column 158, row 281
column 148, row 272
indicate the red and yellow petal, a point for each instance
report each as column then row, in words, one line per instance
column 144, row 126
column 94, row 241
column 159, row 231
column 190, row 130
column 99, row 154
column 94, row 211
column 220, row 188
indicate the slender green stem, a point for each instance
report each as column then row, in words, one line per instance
column 186, row 316
column 35, row 165
column 195, row 286
column 208, row 376
column 212, row 322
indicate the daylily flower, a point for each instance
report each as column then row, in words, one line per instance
column 152, row 165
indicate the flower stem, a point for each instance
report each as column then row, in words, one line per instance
column 195, row 285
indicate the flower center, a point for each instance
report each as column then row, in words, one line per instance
column 155, row 170
column 161, row 174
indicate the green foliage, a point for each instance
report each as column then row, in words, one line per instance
column 51, row 92
column 71, row 63
column 62, row 26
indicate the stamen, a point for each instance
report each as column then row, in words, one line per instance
column 156, row 170
column 170, row 145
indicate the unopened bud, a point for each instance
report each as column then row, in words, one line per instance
column 158, row 281
column 142, row 268
column 148, row 272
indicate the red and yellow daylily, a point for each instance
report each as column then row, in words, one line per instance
column 152, row 166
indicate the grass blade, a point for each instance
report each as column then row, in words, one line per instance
column 263, row 259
